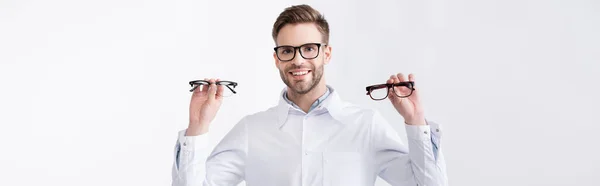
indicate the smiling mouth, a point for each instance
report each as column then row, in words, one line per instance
column 299, row 73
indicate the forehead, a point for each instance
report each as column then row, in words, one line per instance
column 298, row 34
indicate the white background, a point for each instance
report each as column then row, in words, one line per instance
column 94, row 92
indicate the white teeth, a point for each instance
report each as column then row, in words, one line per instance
column 299, row 73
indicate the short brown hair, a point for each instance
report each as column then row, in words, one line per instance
column 301, row 14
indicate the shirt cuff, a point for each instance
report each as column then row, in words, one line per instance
column 436, row 129
column 418, row 132
column 192, row 143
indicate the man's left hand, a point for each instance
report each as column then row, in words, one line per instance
column 409, row 107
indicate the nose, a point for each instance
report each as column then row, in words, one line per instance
column 298, row 59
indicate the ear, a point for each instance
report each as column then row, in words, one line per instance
column 327, row 52
column 276, row 60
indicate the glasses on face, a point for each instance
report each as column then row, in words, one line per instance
column 381, row 91
column 307, row 51
column 229, row 84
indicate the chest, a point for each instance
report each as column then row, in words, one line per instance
column 310, row 151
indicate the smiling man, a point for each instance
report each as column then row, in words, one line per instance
column 312, row 137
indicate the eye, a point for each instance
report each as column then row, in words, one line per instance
column 309, row 48
column 285, row 50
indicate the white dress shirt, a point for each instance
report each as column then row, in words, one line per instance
column 335, row 144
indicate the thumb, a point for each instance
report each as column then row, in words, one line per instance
column 394, row 98
column 392, row 95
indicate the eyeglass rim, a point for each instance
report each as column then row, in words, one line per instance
column 319, row 46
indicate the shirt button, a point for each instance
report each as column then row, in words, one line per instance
column 425, row 132
column 437, row 130
column 184, row 143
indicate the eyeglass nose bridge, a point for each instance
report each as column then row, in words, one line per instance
column 297, row 51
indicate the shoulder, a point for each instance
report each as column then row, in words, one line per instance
column 355, row 109
column 353, row 112
column 264, row 116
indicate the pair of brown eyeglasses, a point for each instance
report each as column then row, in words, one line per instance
column 381, row 91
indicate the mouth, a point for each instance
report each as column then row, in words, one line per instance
column 299, row 74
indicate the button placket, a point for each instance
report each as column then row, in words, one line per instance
column 304, row 150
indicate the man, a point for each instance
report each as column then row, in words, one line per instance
column 311, row 137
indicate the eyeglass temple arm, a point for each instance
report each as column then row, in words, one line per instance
column 231, row 89
column 194, row 87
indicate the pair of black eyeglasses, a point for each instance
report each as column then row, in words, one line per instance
column 381, row 91
column 229, row 84
column 307, row 51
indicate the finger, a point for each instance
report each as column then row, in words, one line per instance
column 204, row 87
column 401, row 77
column 394, row 79
column 212, row 89
column 411, row 77
column 415, row 93
column 219, row 91
column 400, row 90
column 390, row 80
column 197, row 89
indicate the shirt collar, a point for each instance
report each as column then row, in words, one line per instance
column 332, row 103
column 314, row 105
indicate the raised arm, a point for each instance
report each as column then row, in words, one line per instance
column 194, row 165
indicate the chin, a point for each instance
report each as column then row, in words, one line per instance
column 301, row 87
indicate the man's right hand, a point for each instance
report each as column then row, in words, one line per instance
column 206, row 101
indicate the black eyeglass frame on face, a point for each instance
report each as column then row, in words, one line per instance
column 197, row 83
column 408, row 84
column 296, row 48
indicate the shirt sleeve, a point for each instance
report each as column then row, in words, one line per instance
column 196, row 165
column 420, row 163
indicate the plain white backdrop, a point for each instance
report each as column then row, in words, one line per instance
column 94, row 92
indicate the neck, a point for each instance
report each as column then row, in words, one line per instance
column 305, row 101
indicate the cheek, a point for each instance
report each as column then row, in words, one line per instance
column 317, row 64
column 281, row 68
